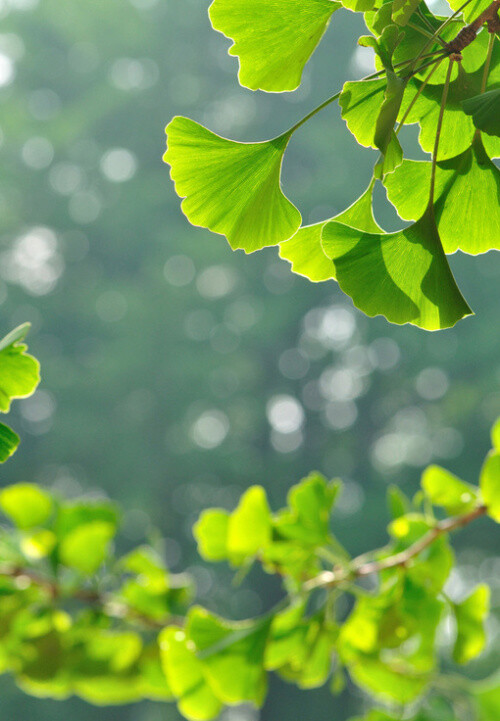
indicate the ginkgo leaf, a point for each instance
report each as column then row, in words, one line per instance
column 19, row 372
column 304, row 250
column 9, row 441
column 466, row 206
column 402, row 10
column 470, row 10
column 403, row 276
column 470, row 617
column 273, row 39
column 360, row 102
column 231, row 188
column 485, row 111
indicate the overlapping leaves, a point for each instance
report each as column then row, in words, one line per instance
column 234, row 188
column 99, row 641
column 19, row 376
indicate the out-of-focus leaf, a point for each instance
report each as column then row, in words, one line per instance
column 446, row 490
column 273, row 39
column 186, row 677
column 398, row 503
column 495, row 435
column 85, row 548
column 231, row 188
column 232, row 655
column 489, row 483
column 26, row 504
column 470, row 616
column 310, row 504
column 210, row 532
column 38, row 544
column 249, row 528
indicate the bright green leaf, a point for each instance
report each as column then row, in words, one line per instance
column 402, row 10
column 489, row 483
column 85, row 548
column 38, row 544
column 446, row 490
column 210, row 531
column 495, row 435
column 231, row 188
column 26, row 505
column 249, row 528
column 232, row 655
column 404, row 276
column 19, row 372
column 466, row 198
column 185, row 676
column 470, row 616
column 304, row 249
column 273, row 39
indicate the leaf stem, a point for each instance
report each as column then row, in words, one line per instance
column 444, row 99
column 417, row 95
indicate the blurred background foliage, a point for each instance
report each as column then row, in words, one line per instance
column 177, row 373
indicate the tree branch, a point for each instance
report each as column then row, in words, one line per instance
column 359, row 568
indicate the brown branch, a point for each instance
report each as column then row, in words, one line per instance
column 110, row 606
column 468, row 34
column 359, row 567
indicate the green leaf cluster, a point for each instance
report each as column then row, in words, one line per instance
column 234, row 188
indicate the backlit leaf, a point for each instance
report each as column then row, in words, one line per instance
column 304, row 250
column 446, row 490
column 466, row 198
column 85, row 548
column 185, row 676
column 231, row 188
column 273, row 39
column 26, row 504
column 470, row 616
column 404, row 275
column 19, row 372
column 489, row 483
column 232, row 655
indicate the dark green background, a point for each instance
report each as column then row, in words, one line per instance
column 132, row 360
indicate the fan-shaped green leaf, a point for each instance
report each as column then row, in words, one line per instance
column 85, row 547
column 304, row 250
column 26, row 504
column 466, row 207
column 485, row 111
column 19, row 372
column 232, row 655
column 404, row 276
column 231, row 188
column 402, row 10
column 249, row 528
column 470, row 616
column 185, row 676
column 210, row 532
column 446, row 490
column 273, row 39
column 457, row 129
